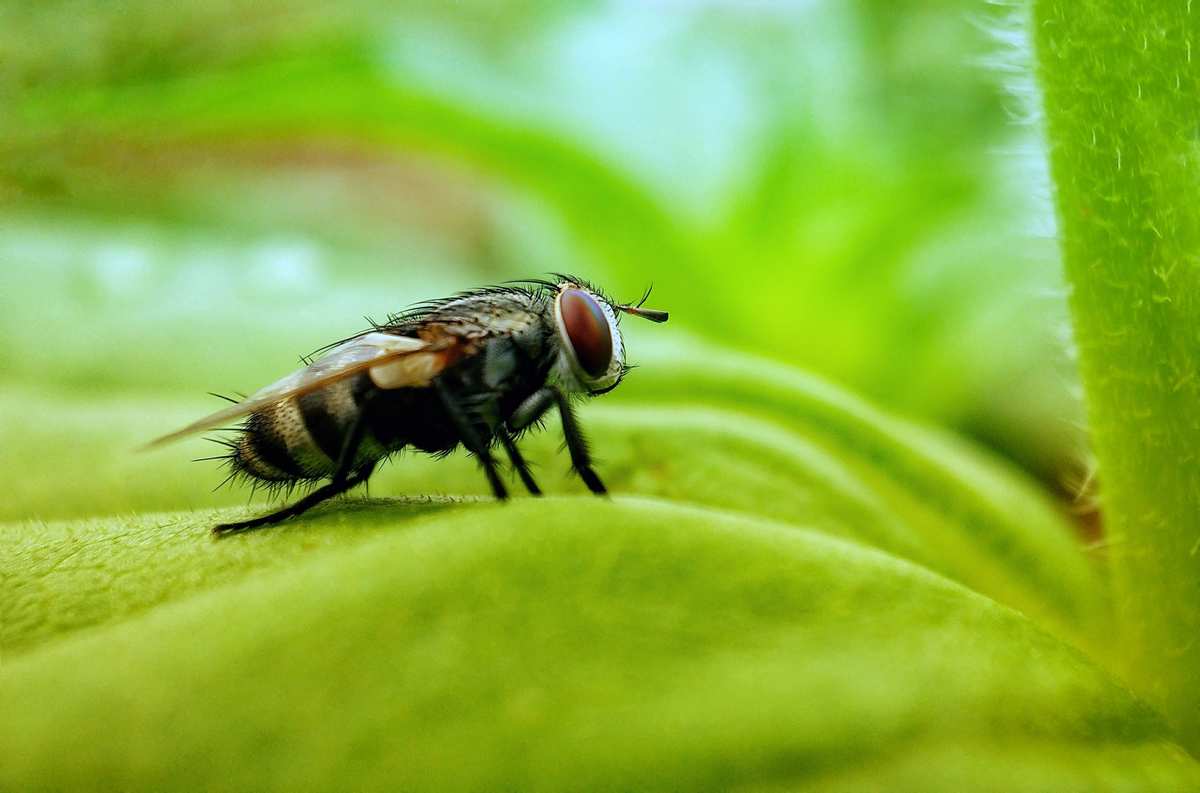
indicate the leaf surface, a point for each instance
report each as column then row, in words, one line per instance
column 565, row 644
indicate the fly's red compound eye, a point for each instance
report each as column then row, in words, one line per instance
column 587, row 329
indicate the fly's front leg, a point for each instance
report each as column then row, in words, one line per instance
column 470, row 438
column 532, row 409
column 536, row 406
column 577, row 446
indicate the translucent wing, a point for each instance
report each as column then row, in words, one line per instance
column 394, row 362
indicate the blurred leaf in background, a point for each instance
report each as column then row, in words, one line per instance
column 820, row 182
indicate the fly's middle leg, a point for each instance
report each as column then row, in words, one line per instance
column 471, row 439
column 518, row 461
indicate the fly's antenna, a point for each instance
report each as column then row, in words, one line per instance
column 654, row 315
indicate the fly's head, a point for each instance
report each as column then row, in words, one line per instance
column 591, row 356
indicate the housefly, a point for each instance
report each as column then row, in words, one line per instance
column 478, row 369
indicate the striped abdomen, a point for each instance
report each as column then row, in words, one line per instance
column 301, row 437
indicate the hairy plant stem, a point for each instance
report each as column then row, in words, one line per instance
column 1122, row 103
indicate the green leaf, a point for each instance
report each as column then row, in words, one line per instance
column 572, row 643
column 965, row 516
column 1121, row 92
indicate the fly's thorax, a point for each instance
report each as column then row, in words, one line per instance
column 488, row 314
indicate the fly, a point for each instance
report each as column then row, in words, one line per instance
column 477, row 369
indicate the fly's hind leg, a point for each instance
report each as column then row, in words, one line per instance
column 340, row 482
column 322, row 493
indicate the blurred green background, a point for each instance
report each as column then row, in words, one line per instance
column 811, row 568
column 194, row 194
